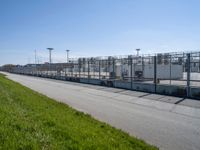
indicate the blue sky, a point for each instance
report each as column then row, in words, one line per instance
column 95, row 28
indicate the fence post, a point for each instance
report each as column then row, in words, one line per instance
column 79, row 68
column 114, row 75
column 88, row 69
column 155, row 73
column 170, row 69
column 188, row 75
column 72, row 69
column 131, row 62
column 65, row 67
column 99, row 69
column 49, row 69
column 61, row 72
column 199, row 61
column 143, row 65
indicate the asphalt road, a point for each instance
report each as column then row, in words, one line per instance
column 166, row 125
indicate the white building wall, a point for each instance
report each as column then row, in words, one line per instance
column 163, row 71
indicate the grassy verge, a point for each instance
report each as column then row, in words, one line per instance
column 29, row 120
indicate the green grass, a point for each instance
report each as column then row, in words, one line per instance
column 29, row 120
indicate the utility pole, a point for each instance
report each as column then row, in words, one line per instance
column 35, row 61
column 67, row 55
column 35, row 57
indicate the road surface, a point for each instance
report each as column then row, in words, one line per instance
column 166, row 125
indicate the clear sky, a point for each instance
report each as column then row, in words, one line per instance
column 95, row 28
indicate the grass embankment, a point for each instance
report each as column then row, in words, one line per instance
column 29, row 120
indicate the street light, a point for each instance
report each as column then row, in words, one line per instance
column 137, row 51
column 67, row 55
column 50, row 49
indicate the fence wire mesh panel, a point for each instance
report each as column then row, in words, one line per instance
column 165, row 73
column 195, row 69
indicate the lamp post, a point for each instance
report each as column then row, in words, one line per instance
column 67, row 55
column 138, row 51
column 50, row 49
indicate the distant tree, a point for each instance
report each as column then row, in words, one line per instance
column 8, row 67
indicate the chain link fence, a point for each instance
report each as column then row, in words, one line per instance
column 165, row 73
